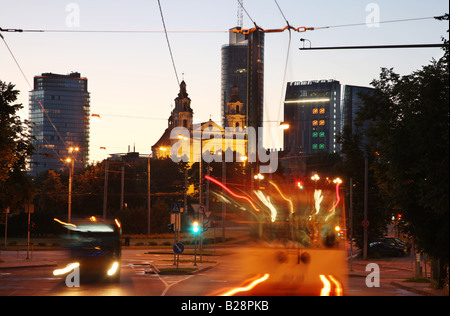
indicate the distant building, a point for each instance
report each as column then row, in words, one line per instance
column 65, row 124
column 313, row 111
column 243, row 67
column 353, row 102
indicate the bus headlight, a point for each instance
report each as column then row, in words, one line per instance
column 113, row 269
column 67, row 269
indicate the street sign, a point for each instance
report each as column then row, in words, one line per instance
column 178, row 248
column 29, row 208
column 198, row 208
column 365, row 223
column 175, row 209
column 175, row 220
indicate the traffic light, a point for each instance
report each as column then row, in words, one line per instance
column 300, row 185
column 195, row 227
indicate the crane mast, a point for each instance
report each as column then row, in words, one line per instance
column 240, row 13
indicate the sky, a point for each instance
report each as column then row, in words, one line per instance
column 131, row 79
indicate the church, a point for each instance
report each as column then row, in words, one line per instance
column 207, row 136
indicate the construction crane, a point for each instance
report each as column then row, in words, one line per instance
column 240, row 13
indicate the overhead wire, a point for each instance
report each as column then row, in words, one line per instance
column 287, row 60
column 245, row 31
column 168, row 42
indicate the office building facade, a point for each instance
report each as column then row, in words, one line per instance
column 64, row 124
column 243, row 68
column 313, row 111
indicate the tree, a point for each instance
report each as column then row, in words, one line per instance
column 16, row 188
column 379, row 212
column 409, row 130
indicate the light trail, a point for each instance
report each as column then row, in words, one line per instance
column 247, row 288
column 338, row 198
column 223, row 186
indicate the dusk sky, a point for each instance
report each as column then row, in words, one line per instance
column 131, row 78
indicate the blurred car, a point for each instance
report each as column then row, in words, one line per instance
column 385, row 248
column 398, row 242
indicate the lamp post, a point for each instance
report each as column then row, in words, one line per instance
column 148, row 192
column 71, row 160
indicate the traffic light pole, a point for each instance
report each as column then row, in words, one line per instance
column 195, row 250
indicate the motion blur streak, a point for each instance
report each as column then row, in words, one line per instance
column 67, row 269
column 231, row 192
column 247, row 288
column 282, row 195
column 64, row 223
column 266, row 201
column 338, row 198
column 337, row 284
column 326, row 286
column 318, row 197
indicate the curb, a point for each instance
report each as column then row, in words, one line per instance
column 25, row 266
column 422, row 291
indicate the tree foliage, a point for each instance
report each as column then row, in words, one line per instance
column 408, row 137
column 15, row 148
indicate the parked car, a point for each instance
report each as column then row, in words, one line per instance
column 385, row 249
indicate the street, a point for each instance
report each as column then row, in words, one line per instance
column 139, row 277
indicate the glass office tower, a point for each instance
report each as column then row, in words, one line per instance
column 64, row 124
column 243, row 67
column 313, row 111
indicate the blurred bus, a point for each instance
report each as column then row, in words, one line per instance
column 94, row 244
column 299, row 244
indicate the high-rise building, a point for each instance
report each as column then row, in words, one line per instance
column 243, row 67
column 313, row 111
column 64, row 124
column 353, row 102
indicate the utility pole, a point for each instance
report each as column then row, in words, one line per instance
column 351, row 224
column 148, row 193
column 366, row 189
column 105, row 190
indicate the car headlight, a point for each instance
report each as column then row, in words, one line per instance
column 114, row 268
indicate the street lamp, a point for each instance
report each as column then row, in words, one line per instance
column 71, row 161
column 95, row 117
column 284, row 125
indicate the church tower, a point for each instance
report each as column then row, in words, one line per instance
column 182, row 114
column 235, row 116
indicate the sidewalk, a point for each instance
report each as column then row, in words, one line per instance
column 396, row 271
column 10, row 260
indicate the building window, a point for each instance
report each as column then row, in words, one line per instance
column 322, row 111
column 322, row 146
column 315, row 111
column 322, row 123
column 322, row 134
column 315, row 134
column 315, row 123
column 315, row 146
